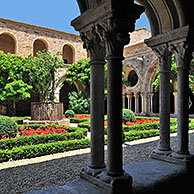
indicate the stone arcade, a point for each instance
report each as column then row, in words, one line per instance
column 104, row 27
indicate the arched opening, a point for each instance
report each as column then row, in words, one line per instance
column 132, row 78
column 68, row 54
column 7, row 44
column 39, row 45
column 64, row 91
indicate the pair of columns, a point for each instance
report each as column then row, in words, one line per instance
column 182, row 58
column 114, row 56
column 129, row 101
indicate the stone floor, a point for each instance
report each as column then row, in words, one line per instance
column 28, row 175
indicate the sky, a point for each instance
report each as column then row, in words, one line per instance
column 54, row 14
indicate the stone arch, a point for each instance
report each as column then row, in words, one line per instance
column 7, row 43
column 164, row 16
column 39, row 45
column 68, row 54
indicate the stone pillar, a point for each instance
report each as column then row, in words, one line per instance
column 164, row 60
column 114, row 37
column 129, row 97
column 123, row 100
column 175, row 102
column 183, row 59
column 136, row 95
column 151, row 102
column 143, row 102
column 91, row 42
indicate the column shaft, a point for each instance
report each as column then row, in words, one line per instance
column 97, row 115
column 183, row 116
column 114, row 100
column 164, row 109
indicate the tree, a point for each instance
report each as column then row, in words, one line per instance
column 43, row 74
column 14, row 82
column 173, row 75
column 79, row 73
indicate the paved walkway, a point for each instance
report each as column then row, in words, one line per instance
column 53, row 170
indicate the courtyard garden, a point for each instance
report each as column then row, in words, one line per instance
column 19, row 141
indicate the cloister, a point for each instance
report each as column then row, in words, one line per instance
column 104, row 26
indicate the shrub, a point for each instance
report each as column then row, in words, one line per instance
column 128, row 115
column 79, row 103
column 8, row 127
column 69, row 113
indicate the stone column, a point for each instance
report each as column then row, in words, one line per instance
column 91, row 42
column 175, row 102
column 183, row 59
column 123, row 100
column 129, row 96
column 114, row 37
column 143, row 102
column 151, row 102
column 164, row 60
column 136, row 95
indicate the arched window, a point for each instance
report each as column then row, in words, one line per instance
column 68, row 54
column 7, row 43
column 39, row 45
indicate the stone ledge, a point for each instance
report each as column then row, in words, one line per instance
column 149, row 177
column 47, row 122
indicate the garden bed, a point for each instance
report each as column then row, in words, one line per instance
column 35, row 140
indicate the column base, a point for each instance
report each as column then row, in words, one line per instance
column 91, row 171
column 112, row 185
column 186, row 160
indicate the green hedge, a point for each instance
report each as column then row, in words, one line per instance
column 134, row 135
column 40, row 139
column 31, row 151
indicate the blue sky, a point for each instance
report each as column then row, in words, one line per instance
column 55, row 14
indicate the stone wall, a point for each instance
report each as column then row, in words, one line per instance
column 24, row 36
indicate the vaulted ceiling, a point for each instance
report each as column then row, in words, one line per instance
column 163, row 15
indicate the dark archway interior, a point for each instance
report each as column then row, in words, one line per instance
column 68, row 55
column 7, row 44
column 39, row 45
column 132, row 78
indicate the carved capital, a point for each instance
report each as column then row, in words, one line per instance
column 164, row 57
column 114, row 34
column 92, row 45
column 183, row 54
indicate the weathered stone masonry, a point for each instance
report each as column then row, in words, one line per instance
column 24, row 36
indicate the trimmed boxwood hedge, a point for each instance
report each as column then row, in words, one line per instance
column 31, row 151
column 40, row 139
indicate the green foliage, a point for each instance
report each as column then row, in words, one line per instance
column 79, row 133
column 42, row 75
column 14, row 82
column 173, row 75
column 8, row 127
column 79, row 72
column 31, row 151
column 78, row 103
column 69, row 113
column 128, row 115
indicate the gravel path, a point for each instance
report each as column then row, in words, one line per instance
column 53, row 170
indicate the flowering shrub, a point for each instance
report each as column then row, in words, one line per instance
column 137, row 122
column 84, row 116
column 28, row 131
